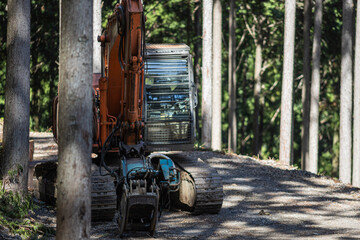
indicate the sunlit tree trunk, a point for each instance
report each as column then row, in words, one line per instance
column 346, row 92
column 257, row 96
column 14, row 166
column 73, row 203
column 356, row 140
column 243, row 102
column 216, row 116
column 335, row 154
column 207, row 75
column 232, row 132
column 312, row 165
column 287, row 83
column 306, row 87
column 96, row 33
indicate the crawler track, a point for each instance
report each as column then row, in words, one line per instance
column 208, row 184
column 103, row 196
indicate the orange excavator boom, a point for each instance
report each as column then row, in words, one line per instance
column 122, row 82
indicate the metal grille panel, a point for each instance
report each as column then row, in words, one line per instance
column 169, row 97
column 168, row 132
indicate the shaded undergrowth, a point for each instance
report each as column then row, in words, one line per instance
column 16, row 211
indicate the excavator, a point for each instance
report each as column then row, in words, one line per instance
column 143, row 107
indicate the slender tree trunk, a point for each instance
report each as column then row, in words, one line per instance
column 206, row 109
column 197, row 46
column 287, row 83
column 232, row 132
column 17, row 97
column 75, row 111
column 261, row 123
column 335, row 155
column 356, row 140
column 312, row 163
column 346, row 92
column 257, row 96
column 306, row 86
column 217, row 49
column 242, row 116
column 96, row 33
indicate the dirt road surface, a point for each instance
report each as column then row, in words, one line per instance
column 262, row 200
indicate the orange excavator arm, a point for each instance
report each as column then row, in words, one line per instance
column 121, row 85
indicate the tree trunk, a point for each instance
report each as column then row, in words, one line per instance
column 96, row 33
column 335, row 154
column 243, row 103
column 197, row 46
column 75, row 111
column 306, row 86
column 356, row 140
column 287, row 83
column 14, row 166
column 232, row 132
column 216, row 116
column 257, row 96
column 312, row 163
column 206, row 109
column 346, row 92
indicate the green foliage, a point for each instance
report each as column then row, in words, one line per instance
column 44, row 61
column 14, row 215
column 27, row 229
column 169, row 21
column 15, row 205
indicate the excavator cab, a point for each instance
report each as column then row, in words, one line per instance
column 170, row 98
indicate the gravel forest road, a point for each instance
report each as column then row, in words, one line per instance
column 262, row 200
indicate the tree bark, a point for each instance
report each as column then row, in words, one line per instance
column 346, row 92
column 243, row 102
column 96, row 33
column 14, row 166
column 75, row 112
column 217, row 49
column 232, row 132
column 287, row 83
column 257, row 96
column 206, row 109
column 306, row 87
column 312, row 163
column 356, row 140
column 197, row 46
column 335, row 154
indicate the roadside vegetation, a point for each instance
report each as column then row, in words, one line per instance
column 16, row 216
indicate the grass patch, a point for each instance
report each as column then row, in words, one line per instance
column 26, row 228
column 15, row 210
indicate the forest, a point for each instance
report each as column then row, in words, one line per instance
column 100, row 121
column 258, row 57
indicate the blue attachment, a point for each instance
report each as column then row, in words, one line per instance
column 171, row 175
column 137, row 168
